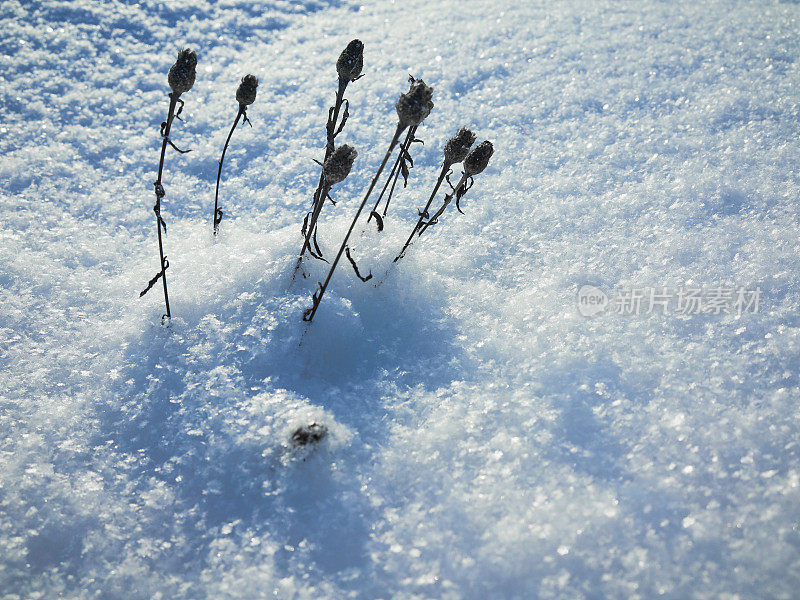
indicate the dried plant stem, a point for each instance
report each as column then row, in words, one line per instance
column 173, row 101
column 217, row 217
column 424, row 213
column 330, row 127
column 321, row 193
column 317, row 297
column 394, row 174
column 447, row 199
column 319, row 201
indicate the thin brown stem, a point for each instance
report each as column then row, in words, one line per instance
column 320, row 194
column 331, row 126
column 217, row 217
column 319, row 203
column 393, row 174
column 424, row 213
column 173, row 101
column 447, row 199
column 317, row 297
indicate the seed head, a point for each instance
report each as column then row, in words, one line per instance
column 415, row 104
column 351, row 61
column 339, row 163
column 457, row 147
column 246, row 94
column 182, row 73
column 476, row 161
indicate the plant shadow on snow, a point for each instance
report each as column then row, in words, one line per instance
column 588, row 444
column 57, row 544
column 395, row 332
column 180, row 406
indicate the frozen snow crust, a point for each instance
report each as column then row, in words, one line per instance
column 484, row 441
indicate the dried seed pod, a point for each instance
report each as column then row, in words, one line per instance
column 457, row 147
column 416, row 104
column 182, row 73
column 351, row 61
column 339, row 163
column 246, row 94
column 476, row 161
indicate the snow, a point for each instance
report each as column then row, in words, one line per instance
column 484, row 439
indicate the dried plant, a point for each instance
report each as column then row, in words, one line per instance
column 402, row 165
column 348, row 67
column 338, row 166
column 455, row 150
column 245, row 96
column 181, row 79
column 412, row 107
column 474, row 164
column 336, row 169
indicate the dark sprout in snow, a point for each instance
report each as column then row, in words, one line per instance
column 309, row 434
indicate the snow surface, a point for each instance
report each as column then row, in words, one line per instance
column 485, row 440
